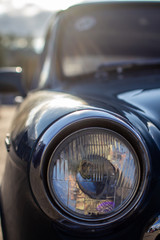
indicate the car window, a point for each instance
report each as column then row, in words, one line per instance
column 93, row 36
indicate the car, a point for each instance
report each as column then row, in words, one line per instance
column 83, row 156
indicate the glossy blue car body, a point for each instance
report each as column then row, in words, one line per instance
column 126, row 100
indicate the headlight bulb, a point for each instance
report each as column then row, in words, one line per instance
column 96, row 177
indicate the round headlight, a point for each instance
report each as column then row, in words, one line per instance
column 92, row 173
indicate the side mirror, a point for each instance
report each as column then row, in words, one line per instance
column 11, row 81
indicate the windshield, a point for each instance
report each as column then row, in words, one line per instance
column 94, row 35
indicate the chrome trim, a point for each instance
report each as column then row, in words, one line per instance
column 153, row 232
column 63, row 127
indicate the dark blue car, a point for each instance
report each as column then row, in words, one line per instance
column 84, row 149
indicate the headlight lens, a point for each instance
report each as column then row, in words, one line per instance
column 93, row 173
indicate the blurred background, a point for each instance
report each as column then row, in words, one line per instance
column 22, row 30
column 23, row 24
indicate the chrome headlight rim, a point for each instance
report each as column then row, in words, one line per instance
column 116, row 211
column 61, row 129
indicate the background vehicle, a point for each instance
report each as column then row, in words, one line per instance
column 84, row 148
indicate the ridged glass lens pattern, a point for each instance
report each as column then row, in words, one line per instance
column 93, row 172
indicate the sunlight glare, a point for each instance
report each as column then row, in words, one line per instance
column 47, row 4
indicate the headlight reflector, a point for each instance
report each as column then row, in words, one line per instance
column 94, row 172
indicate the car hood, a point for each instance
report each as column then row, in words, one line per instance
column 145, row 102
column 136, row 95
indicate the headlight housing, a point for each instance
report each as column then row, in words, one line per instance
column 89, row 169
column 94, row 172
